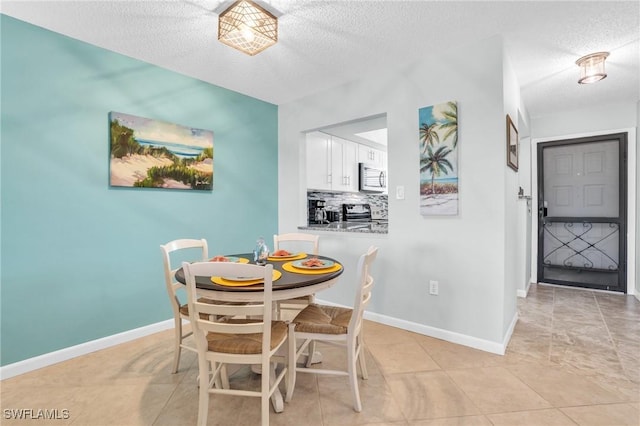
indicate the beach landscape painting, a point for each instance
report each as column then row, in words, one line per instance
column 439, row 159
column 147, row 153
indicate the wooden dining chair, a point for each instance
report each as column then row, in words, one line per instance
column 224, row 335
column 309, row 241
column 336, row 325
column 173, row 253
column 295, row 242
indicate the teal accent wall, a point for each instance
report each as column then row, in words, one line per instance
column 81, row 260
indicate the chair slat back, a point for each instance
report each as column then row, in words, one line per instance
column 308, row 240
column 363, row 289
column 182, row 247
column 216, row 313
column 225, row 309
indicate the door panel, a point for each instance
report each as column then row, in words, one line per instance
column 582, row 180
column 582, row 194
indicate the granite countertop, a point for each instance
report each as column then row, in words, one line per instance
column 361, row 227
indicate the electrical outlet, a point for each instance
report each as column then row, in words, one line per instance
column 399, row 192
column 433, row 287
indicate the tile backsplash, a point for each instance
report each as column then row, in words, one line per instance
column 335, row 200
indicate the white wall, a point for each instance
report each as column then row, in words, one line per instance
column 598, row 119
column 465, row 253
column 526, row 214
column 587, row 120
column 514, row 238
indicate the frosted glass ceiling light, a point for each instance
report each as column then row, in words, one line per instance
column 592, row 67
column 247, row 27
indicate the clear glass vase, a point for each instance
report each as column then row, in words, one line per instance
column 261, row 252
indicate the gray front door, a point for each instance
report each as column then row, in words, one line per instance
column 582, row 212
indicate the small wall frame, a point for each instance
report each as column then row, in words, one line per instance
column 512, row 144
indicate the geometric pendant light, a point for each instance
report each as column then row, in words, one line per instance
column 247, row 27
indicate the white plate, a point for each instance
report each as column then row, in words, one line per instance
column 327, row 264
column 285, row 257
column 241, row 278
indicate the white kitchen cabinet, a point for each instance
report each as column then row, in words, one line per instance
column 332, row 163
column 318, row 161
column 351, row 166
column 344, row 164
column 372, row 156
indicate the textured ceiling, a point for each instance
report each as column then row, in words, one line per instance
column 326, row 43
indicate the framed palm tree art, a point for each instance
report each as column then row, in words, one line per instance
column 438, row 129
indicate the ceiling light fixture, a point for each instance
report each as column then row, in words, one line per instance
column 247, row 27
column 592, row 67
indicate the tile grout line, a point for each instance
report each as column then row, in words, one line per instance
column 464, row 393
column 316, row 383
column 385, row 377
column 553, row 311
column 552, row 406
column 175, row 389
column 613, row 343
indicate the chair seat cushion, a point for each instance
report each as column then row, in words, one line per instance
column 246, row 344
column 323, row 319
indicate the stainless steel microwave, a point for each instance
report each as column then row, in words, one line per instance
column 372, row 179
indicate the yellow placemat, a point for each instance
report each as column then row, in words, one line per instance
column 296, row 257
column 290, row 268
column 231, row 283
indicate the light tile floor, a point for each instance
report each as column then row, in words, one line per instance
column 574, row 358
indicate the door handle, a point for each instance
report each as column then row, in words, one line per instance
column 542, row 212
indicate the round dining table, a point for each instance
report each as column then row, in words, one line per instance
column 289, row 286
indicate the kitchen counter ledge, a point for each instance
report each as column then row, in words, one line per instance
column 359, row 227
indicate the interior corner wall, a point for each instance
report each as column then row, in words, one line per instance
column 80, row 259
column 514, row 238
column 466, row 252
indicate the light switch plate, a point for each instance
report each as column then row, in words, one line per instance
column 433, row 287
column 400, row 192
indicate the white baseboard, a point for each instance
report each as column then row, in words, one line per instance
column 523, row 293
column 438, row 333
column 35, row 363
column 65, row 354
column 507, row 335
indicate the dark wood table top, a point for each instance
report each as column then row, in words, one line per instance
column 288, row 280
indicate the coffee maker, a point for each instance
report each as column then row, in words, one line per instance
column 317, row 213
